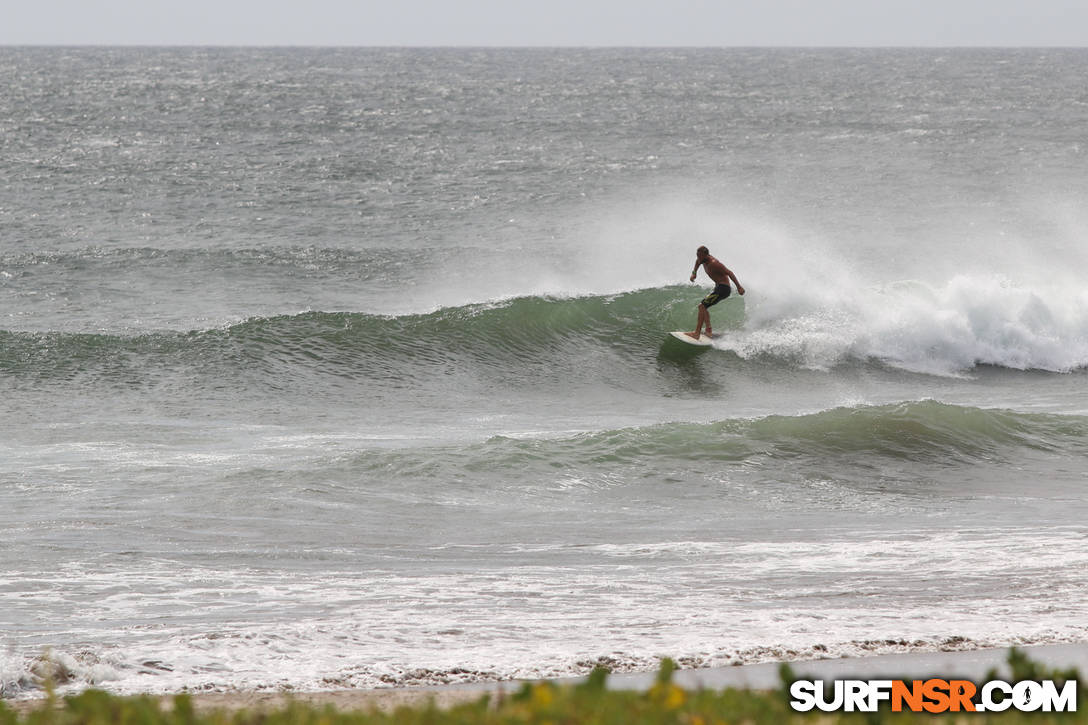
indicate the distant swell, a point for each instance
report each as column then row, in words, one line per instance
column 921, row 432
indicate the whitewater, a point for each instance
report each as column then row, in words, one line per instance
column 331, row 368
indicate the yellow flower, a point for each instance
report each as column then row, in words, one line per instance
column 669, row 695
column 542, row 694
column 674, row 697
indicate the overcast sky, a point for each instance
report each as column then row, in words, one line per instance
column 548, row 22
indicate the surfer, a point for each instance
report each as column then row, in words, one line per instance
column 721, row 276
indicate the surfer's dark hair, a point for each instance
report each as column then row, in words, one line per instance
column 702, row 249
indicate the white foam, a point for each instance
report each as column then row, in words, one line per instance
column 706, row 602
column 944, row 329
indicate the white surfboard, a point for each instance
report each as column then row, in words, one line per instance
column 704, row 340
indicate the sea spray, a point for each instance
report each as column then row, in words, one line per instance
column 943, row 329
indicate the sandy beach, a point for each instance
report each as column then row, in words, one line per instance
column 972, row 665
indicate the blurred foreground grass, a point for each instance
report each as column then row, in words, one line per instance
column 542, row 702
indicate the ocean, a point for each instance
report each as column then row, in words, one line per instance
column 336, row 368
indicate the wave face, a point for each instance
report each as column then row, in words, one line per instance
column 906, row 441
column 909, row 326
column 510, row 335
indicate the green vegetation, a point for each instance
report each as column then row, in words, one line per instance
column 537, row 703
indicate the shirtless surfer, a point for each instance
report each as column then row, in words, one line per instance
column 721, row 276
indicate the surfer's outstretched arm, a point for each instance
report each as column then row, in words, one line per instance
column 740, row 289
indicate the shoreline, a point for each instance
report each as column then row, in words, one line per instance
column 962, row 664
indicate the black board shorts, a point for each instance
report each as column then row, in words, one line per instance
column 721, row 291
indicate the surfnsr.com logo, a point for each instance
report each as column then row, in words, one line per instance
column 933, row 696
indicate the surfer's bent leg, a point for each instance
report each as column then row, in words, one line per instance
column 704, row 319
column 721, row 291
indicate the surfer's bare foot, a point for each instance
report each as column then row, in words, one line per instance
column 692, row 335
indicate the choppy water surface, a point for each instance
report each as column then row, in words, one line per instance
column 329, row 368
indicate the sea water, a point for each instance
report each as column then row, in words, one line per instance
column 350, row 367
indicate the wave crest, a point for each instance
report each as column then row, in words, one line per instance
column 919, row 431
column 945, row 331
